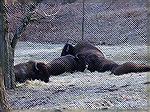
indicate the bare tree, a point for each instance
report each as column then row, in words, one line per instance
column 7, row 47
column 4, row 106
column 8, row 44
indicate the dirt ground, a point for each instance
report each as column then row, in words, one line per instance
column 119, row 24
column 83, row 91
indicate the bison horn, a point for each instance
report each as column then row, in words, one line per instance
column 36, row 66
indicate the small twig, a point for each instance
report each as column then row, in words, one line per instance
column 49, row 15
column 22, row 27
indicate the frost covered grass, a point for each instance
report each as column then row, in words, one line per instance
column 82, row 90
column 46, row 52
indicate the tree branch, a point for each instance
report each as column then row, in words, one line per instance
column 49, row 15
column 25, row 21
column 45, row 15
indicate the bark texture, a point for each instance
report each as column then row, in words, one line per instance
column 4, row 107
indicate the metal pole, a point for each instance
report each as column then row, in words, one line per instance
column 83, row 14
column 148, row 44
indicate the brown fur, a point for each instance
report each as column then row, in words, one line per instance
column 86, row 48
column 108, row 65
column 90, row 55
column 67, row 63
column 129, row 67
column 100, row 64
column 28, row 71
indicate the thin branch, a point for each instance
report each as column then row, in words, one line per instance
column 27, row 19
column 25, row 22
column 49, row 15
column 112, row 2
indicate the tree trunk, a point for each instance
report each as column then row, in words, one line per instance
column 7, row 46
column 5, row 50
column 4, row 107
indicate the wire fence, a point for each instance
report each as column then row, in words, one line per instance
column 112, row 23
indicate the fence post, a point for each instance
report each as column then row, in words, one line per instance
column 148, row 48
column 83, row 14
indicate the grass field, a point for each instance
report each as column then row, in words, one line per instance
column 82, row 90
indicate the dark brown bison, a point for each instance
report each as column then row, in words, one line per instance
column 91, row 55
column 129, row 67
column 107, row 65
column 68, row 63
column 96, row 60
column 82, row 47
column 99, row 64
column 31, row 70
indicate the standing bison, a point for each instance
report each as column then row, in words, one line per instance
column 31, row 70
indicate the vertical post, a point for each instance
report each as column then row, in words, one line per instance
column 148, row 22
column 148, row 49
column 83, row 18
